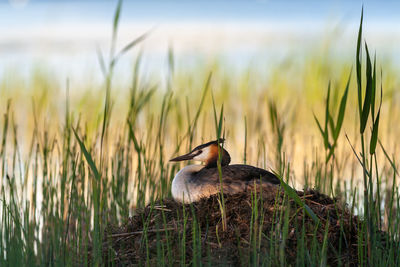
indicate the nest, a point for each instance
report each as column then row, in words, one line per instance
column 254, row 230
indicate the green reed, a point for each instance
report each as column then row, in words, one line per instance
column 65, row 177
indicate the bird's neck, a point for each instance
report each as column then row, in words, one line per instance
column 213, row 161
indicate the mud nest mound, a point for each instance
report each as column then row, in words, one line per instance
column 172, row 232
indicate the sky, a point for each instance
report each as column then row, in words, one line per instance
column 66, row 34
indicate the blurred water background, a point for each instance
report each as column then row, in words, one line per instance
column 62, row 36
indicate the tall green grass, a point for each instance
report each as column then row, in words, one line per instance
column 68, row 172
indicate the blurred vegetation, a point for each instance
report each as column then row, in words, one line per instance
column 76, row 157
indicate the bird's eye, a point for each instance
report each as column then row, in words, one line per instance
column 200, row 151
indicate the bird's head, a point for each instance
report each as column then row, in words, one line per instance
column 207, row 153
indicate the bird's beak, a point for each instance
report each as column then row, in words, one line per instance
column 184, row 157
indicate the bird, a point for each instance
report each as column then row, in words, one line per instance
column 195, row 182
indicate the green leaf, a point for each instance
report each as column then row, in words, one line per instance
column 325, row 244
column 374, row 136
column 331, row 151
column 319, row 126
column 101, row 61
column 130, row 45
column 331, row 124
column 116, row 16
column 327, row 115
column 392, row 162
column 215, row 112
column 88, row 157
column 96, row 199
column 273, row 112
column 115, row 32
column 342, row 110
column 171, row 61
column 133, row 138
column 358, row 63
column 220, row 121
column 368, row 94
column 327, row 107
column 339, row 121
column 292, row 194
column 373, row 90
column 203, row 97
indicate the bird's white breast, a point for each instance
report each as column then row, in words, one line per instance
column 182, row 189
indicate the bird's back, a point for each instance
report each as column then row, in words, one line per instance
column 235, row 178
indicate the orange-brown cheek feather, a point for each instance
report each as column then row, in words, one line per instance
column 213, row 158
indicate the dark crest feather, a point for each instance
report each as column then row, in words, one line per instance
column 221, row 141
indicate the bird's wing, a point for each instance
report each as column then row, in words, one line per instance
column 237, row 174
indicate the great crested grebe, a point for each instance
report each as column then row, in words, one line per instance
column 194, row 182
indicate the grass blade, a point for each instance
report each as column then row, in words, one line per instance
column 130, row 45
column 116, row 16
column 391, row 161
column 221, row 114
column 327, row 115
column 101, row 62
column 96, row 202
column 358, row 63
column 115, row 28
column 342, row 110
column 373, row 90
column 133, row 138
column 319, row 126
column 325, row 244
column 292, row 194
column 368, row 94
column 332, row 127
column 87, row 155
column 374, row 136
column 203, row 97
